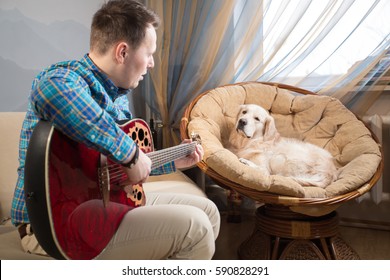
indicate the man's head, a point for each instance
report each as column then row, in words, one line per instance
column 123, row 40
column 120, row 20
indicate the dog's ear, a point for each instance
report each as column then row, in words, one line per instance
column 270, row 132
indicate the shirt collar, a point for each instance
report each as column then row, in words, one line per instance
column 113, row 91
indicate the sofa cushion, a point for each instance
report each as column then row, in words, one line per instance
column 10, row 126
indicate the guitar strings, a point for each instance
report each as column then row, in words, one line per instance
column 158, row 159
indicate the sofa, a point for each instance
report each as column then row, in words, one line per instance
column 10, row 126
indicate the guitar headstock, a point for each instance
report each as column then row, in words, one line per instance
column 195, row 137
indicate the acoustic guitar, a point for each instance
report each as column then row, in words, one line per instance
column 75, row 196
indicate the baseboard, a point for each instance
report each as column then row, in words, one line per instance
column 364, row 224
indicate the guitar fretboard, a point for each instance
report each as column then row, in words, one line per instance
column 164, row 156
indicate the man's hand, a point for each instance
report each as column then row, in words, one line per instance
column 192, row 158
column 140, row 171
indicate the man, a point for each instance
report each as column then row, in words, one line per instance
column 84, row 100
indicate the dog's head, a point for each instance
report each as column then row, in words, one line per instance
column 255, row 122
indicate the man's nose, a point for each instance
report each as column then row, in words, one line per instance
column 151, row 63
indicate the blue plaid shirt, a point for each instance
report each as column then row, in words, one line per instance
column 79, row 100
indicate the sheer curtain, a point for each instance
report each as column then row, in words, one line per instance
column 190, row 51
column 329, row 47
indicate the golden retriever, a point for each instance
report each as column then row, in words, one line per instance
column 258, row 144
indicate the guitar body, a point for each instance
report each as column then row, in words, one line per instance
column 75, row 203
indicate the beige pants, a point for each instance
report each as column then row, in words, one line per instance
column 167, row 227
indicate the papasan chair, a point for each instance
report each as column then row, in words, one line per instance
column 293, row 222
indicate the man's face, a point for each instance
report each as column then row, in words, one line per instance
column 138, row 61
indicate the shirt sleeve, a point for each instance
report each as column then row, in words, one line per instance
column 121, row 108
column 165, row 169
column 65, row 100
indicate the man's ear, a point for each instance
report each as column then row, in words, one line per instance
column 121, row 51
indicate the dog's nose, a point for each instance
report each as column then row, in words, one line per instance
column 242, row 122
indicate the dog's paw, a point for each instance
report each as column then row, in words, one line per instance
column 247, row 162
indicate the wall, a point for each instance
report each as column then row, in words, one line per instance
column 35, row 34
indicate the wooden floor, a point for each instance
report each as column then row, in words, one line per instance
column 370, row 244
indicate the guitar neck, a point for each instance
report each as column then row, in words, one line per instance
column 161, row 157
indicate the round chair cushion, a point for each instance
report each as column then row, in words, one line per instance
column 320, row 120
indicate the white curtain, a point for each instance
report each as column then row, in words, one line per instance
column 324, row 46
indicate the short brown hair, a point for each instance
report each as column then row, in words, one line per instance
column 120, row 20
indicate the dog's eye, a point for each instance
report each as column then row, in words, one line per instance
column 257, row 119
column 243, row 112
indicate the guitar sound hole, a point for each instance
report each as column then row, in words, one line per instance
column 141, row 135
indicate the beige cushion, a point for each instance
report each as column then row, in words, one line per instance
column 10, row 125
column 176, row 182
column 320, row 120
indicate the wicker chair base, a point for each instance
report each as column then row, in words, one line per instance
column 282, row 234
